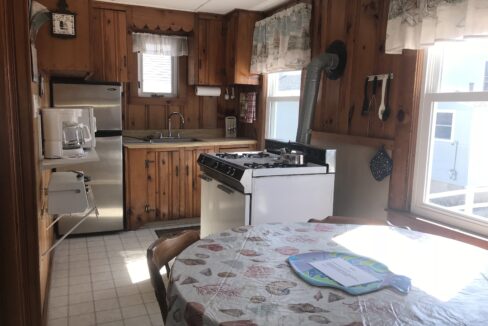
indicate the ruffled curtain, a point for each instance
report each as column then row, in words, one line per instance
column 175, row 46
column 414, row 24
column 282, row 42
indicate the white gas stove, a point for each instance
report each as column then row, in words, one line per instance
column 265, row 187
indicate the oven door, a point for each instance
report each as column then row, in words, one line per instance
column 222, row 207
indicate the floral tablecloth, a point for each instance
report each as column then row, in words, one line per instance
column 241, row 277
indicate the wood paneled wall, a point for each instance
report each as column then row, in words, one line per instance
column 151, row 113
column 361, row 24
column 19, row 281
column 45, row 235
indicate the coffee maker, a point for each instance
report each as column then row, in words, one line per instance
column 68, row 132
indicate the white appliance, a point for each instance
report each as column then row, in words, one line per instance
column 260, row 187
column 66, row 193
column 67, row 132
column 230, row 127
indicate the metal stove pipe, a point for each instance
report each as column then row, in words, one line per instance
column 333, row 61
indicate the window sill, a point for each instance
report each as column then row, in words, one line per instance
column 421, row 224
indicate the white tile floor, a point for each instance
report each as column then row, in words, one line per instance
column 103, row 280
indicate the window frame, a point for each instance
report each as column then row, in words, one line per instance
column 453, row 113
column 270, row 100
column 425, row 140
column 174, row 79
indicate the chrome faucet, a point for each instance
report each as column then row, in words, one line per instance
column 182, row 123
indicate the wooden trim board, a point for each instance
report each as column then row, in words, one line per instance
column 19, row 168
column 325, row 137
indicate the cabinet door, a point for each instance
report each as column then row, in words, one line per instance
column 240, row 30
column 187, row 181
column 109, row 31
column 152, row 177
column 177, row 200
column 216, row 51
column 136, row 187
column 207, row 52
column 202, row 53
column 164, row 191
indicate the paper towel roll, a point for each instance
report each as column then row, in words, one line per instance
column 207, row 91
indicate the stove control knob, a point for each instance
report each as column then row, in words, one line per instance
column 229, row 170
column 216, row 165
column 233, row 172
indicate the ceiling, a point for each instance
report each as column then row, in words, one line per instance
column 211, row 6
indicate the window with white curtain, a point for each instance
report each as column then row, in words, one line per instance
column 451, row 170
column 158, row 62
column 283, row 104
column 157, row 75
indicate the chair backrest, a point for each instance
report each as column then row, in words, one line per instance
column 349, row 220
column 159, row 254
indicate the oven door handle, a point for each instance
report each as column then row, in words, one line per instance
column 205, row 178
column 225, row 189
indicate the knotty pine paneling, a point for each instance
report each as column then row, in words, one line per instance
column 361, row 24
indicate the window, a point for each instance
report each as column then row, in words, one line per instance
column 443, row 125
column 451, row 169
column 485, row 84
column 282, row 105
column 157, row 75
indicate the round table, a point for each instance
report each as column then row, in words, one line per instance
column 241, row 277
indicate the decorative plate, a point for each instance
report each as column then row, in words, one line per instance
column 301, row 265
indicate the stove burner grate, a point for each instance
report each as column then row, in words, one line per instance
column 255, row 165
column 235, row 156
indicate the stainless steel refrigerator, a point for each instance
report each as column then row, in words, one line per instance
column 106, row 175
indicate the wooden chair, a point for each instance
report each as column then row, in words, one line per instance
column 349, row 220
column 159, row 254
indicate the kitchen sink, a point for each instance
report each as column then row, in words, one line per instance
column 171, row 140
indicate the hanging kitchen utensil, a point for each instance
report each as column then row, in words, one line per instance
column 365, row 109
column 372, row 100
column 386, row 113
column 381, row 109
column 381, row 165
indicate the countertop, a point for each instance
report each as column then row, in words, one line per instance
column 130, row 142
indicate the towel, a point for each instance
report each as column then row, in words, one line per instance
column 248, row 107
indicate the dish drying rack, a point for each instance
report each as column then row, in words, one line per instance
column 68, row 194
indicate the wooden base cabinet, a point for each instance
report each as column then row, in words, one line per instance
column 164, row 184
column 136, row 182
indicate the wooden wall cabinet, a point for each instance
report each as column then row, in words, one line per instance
column 206, row 64
column 239, row 36
column 61, row 56
column 109, row 44
column 164, row 183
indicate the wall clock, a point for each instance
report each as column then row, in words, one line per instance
column 63, row 21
